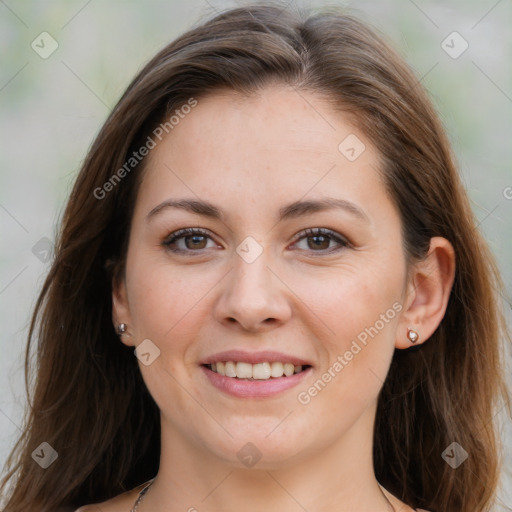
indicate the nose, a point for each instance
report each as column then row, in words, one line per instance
column 253, row 298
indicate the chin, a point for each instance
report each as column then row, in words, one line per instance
column 258, row 449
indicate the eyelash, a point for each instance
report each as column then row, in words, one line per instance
column 309, row 232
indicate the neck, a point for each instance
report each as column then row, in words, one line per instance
column 337, row 478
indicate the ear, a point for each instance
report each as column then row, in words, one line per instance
column 121, row 310
column 428, row 290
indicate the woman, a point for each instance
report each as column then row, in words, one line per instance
column 272, row 221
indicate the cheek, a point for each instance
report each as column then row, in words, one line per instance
column 163, row 295
column 345, row 300
column 359, row 356
column 170, row 305
column 164, row 306
column 357, row 311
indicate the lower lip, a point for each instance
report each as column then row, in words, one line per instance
column 245, row 388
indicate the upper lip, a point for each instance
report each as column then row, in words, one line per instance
column 254, row 357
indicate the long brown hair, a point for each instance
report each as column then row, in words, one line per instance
column 89, row 401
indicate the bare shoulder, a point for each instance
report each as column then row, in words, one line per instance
column 121, row 503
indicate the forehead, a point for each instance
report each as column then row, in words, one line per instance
column 274, row 144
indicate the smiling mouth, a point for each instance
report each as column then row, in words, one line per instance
column 258, row 371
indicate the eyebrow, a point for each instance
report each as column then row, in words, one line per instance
column 290, row 211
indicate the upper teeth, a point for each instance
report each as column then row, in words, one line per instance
column 261, row 371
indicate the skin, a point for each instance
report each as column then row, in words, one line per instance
column 250, row 156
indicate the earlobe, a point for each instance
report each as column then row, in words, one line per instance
column 121, row 312
column 429, row 289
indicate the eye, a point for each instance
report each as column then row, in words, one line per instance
column 319, row 240
column 189, row 240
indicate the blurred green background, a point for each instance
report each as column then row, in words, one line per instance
column 51, row 108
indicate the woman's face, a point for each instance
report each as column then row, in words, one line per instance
column 253, row 287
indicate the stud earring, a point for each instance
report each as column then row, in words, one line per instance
column 412, row 335
column 121, row 329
